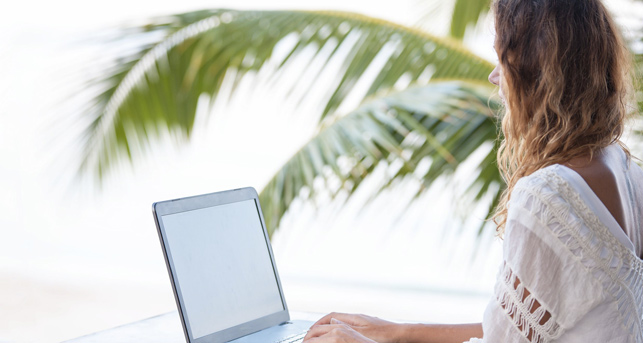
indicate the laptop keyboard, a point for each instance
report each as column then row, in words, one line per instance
column 294, row 338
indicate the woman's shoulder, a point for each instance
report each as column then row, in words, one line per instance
column 541, row 199
column 555, row 196
column 544, row 182
column 613, row 170
column 558, row 197
column 608, row 191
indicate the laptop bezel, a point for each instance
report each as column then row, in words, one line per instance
column 173, row 206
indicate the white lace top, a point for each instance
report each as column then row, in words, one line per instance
column 570, row 272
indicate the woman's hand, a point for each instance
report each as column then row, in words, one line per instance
column 365, row 326
column 334, row 333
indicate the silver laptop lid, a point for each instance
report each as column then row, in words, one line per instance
column 221, row 265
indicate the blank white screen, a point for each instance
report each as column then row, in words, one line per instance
column 222, row 266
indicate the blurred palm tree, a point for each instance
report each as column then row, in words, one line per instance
column 440, row 116
column 426, row 110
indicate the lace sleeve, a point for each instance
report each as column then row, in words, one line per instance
column 537, row 293
column 533, row 321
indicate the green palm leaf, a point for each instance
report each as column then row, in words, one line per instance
column 158, row 86
column 462, row 13
column 444, row 122
column 467, row 13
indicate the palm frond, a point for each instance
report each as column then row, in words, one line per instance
column 443, row 122
column 462, row 14
column 158, row 86
column 467, row 13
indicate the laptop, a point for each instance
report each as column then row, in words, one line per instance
column 223, row 271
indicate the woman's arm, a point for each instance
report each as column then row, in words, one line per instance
column 442, row 333
column 388, row 332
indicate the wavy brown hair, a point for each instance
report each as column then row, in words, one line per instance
column 567, row 79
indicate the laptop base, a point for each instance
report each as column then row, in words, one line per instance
column 276, row 333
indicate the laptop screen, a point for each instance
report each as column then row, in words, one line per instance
column 222, row 266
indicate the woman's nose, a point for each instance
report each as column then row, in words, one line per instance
column 494, row 77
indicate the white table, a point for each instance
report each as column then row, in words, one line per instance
column 165, row 328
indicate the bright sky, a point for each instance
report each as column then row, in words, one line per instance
column 82, row 14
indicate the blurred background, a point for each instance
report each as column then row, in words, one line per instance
column 369, row 132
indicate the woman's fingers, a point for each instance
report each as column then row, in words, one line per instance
column 324, row 320
column 320, row 330
column 372, row 327
column 336, row 321
column 350, row 319
column 332, row 333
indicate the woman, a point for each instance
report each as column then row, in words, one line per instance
column 571, row 218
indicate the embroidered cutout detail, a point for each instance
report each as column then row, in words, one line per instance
column 618, row 270
column 531, row 318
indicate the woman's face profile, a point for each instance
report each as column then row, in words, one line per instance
column 496, row 78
